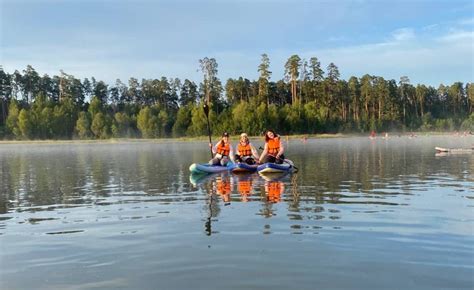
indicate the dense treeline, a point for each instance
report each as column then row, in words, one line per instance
column 307, row 100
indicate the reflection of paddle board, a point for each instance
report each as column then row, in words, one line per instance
column 275, row 176
column 286, row 166
column 197, row 178
column 454, row 150
column 201, row 168
column 243, row 167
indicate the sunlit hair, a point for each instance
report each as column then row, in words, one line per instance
column 245, row 137
column 266, row 134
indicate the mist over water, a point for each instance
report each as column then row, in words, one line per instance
column 359, row 213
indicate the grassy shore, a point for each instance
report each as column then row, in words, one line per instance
column 159, row 140
column 234, row 138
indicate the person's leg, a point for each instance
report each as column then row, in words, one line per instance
column 250, row 161
column 280, row 160
column 214, row 161
column 237, row 158
column 269, row 159
column 224, row 160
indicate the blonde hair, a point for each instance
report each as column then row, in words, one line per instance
column 244, row 135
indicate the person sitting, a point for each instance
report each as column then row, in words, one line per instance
column 273, row 150
column 222, row 150
column 245, row 151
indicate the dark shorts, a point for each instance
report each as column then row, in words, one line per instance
column 272, row 159
column 247, row 159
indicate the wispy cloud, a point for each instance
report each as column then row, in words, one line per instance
column 467, row 21
column 465, row 37
column 151, row 40
column 403, row 34
column 444, row 58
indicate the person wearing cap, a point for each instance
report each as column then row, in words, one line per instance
column 222, row 150
column 245, row 151
column 273, row 150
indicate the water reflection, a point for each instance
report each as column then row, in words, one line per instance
column 369, row 177
column 133, row 211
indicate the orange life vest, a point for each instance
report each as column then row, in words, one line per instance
column 223, row 187
column 245, row 186
column 273, row 146
column 274, row 191
column 244, row 150
column 223, row 150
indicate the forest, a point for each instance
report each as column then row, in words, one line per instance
column 308, row 100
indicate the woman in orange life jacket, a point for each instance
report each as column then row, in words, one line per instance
column 274, row 190
column 245, row 151
column 223, row 151
column 224, row 188
column 273, row 151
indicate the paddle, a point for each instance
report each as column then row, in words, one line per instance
column 206, row 111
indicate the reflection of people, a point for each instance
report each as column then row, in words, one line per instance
column 245, row 151
column 274, row 190
column 224, row 188
column 223, row 151
column 273, row 151
column 245, row 189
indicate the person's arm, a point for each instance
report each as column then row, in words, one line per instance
column 264, row 153
column 231, row 153
column 254, row 152
column 280, row 152
column 214, row 148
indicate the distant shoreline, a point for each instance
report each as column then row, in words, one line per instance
column 234, row 138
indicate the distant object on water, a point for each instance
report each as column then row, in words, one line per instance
column 454, row 150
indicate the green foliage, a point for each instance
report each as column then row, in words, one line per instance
column 308, row 100
column 427, row 122
column 312, row 117
column 46, row 123
column 183, row 120
column 292, row 116
column 12, row 119
column 148, row 123
column 243, row 117
column 121, row 126
column 65, row 116
column 95, row 106
column 25, row 124
column 444, row 124
column 83, row 126
column 468, row 124
column 100, row 126
column 199, row 122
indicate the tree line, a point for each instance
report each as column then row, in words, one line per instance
column 308, row 99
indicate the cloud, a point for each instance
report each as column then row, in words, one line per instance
column 403, row 34
column 428, row 59
column 462, row 36
column 466, row 21
column 432, row 54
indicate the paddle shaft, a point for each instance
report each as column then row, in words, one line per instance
column 206, row 111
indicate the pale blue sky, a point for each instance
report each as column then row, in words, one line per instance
column 431, row 42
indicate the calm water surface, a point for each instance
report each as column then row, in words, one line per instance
column 359, row 214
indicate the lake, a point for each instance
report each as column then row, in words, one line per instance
column 358, row 214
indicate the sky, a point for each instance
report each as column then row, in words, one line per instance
column 431, row 42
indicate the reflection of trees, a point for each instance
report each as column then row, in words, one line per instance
column 374, row 166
